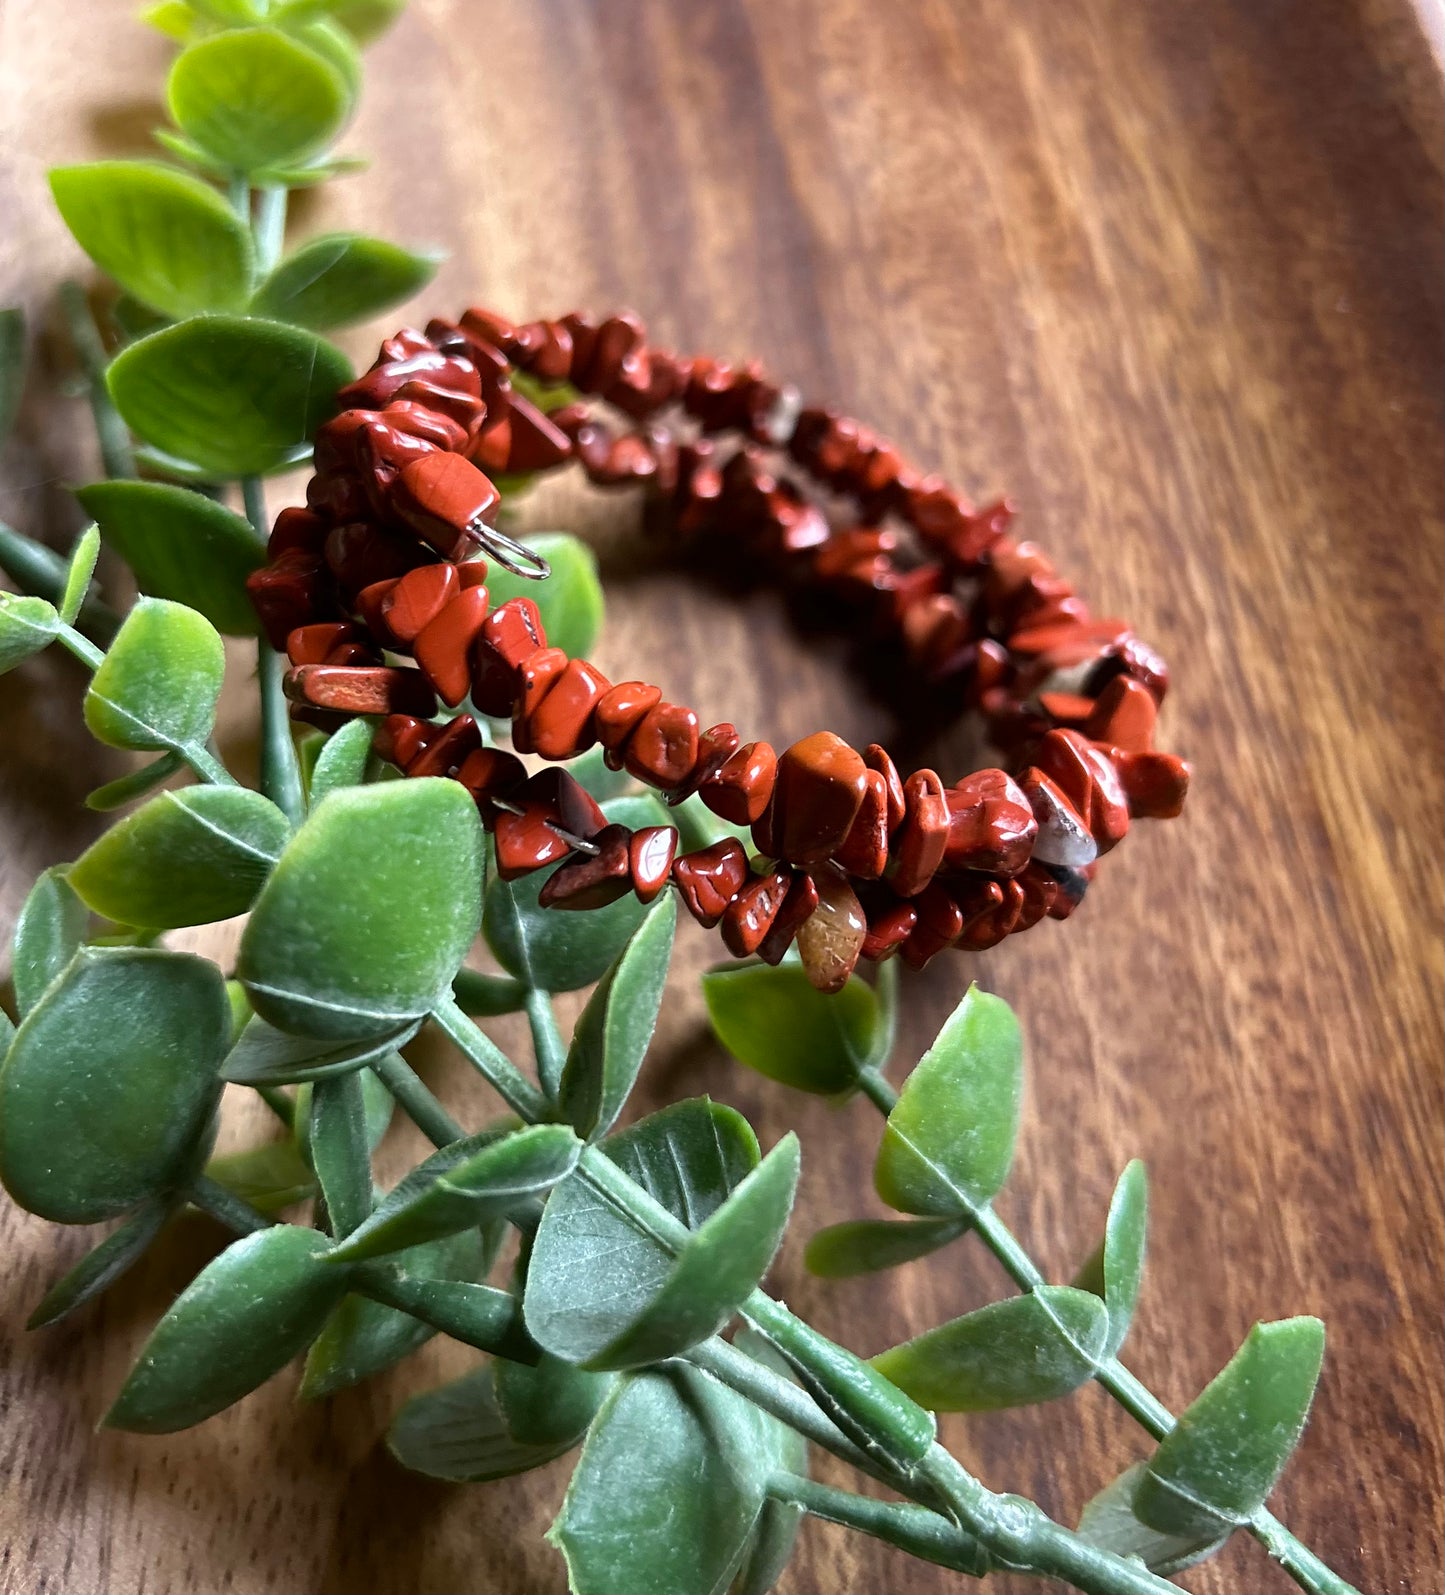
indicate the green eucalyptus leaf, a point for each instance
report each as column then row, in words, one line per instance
column 369, row 913
column 233, row 13
column 340, row 278
column 615, row 1029
column 312, row 173
column 1009, row 1354
column 340, row 1152
column 181, row 545
column 336, row 47
column 606, row 1318
column 459, row 1432
column 550, row 1402
column 174, row 18
column 7, row 1033
column 669, row 1488
column 950, row 1138
column 189, row 153
column 482, row 996
column 27, row 626
column 244, row 1317
column 169, row 239
column 363, row 1337
column 776, row 1022
column 342, row 760
column 111, row 1082
column 48, row 933
column 570, row 599
column 137, row 783
column 78, row 572
column 12, row 366
column 1115, row 1270
column 37, row 569
column 1108, row 1522
column 271, row 1177
column 266, row 1056
column 867, row 1245
column 770, row 1546
column 99, row 1269
column 477, row 1315
column 466, row 1184
column 186, row 858
column 158, row 686
column 134, row 320
column 378, row 1103
column 255, row 97
column 231, row 395
column 365, row 20
column 1215, row 1468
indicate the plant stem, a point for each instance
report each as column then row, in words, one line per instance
column 269, row 227
column 213, row 1198
column 514, row 1088
column 911, row 1528
column 413, row 1098
column 1302, row 1565
column 110, row 430
column 280, row 768
column 546, row 1039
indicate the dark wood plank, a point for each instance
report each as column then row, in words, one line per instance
column 1169, row 275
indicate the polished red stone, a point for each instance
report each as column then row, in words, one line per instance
column 1064, row 836
column 425, row 424
column 877, row 758
column 506, row 639
column 370, row 604
column 991, row 825
column 592, row 880
column 379, row 385
column 801, row 901
column 1066, row 708
column 1123, row 716
column 400, row 738
column 465, row 411
column 444, row 498
column 447, row 751
column 1039, row 890
column 560, row 726
column 864, row 852
column 1089, row 780
column 554, row 809
column 710, row 878
column 650, row 856
column 888, row 929
column 923, row 837
column 365, row 689
column 819, row 790
column 443, row 648
column 310, row 645
column 418, row 598
column 1154, row 784
column 663, row 748
column 287, row 594
column 742, row 786
column 990, row 911
column 296, row 528
column 535, row 443
column 492, row 773
column 619, row 712
column 360, row 554
column 750, row 915
column 715, row 747
column 830, row 939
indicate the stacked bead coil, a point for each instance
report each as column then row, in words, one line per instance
column 852, row 859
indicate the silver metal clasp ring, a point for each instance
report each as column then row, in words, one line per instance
column 509, row 553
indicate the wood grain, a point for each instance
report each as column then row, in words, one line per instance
column 1170, row 274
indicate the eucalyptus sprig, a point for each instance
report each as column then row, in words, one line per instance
column 633, row 1322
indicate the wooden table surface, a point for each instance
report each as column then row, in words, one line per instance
column 1170, row 274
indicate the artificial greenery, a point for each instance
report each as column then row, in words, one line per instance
column 633, row 1323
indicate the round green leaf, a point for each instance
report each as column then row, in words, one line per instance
column 111, row 1082
column 464, row 1185
column 459, row 1432
column 99, row 1269
column 776, row 1022
column 158, row 686
column 369, row 912
column 340, row 278
column 181, row 545
column 342, row 760
column 570, row 599
column 553, row 949
column 185, row 858
column 582, row 1307
column 950, row 1138
column 867, row 1245
column 232, row 395
column 264, row 1055
column 167, row 238
column 549, row 1402
column 136, row 783
column 669, row 1487
column 48, row 932
column 255, row 97
column 1220, row 1461
column 244, row 1317
column 483, row 996
column 271, row 1177
column 1008, row 1354
column 336, row 47
column 27, row 626
column 1115, row 1270
column 1108, row 1522
column 79, row 570
column 615, row 1029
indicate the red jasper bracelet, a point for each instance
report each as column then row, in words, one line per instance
column 853, row 859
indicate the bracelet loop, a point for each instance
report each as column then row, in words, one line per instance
column 850, row 859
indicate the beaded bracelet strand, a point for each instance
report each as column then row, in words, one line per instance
column 852, row 860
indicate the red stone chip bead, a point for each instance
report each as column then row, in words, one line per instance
column 858, row 859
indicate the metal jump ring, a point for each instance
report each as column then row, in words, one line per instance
column 509, row 553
